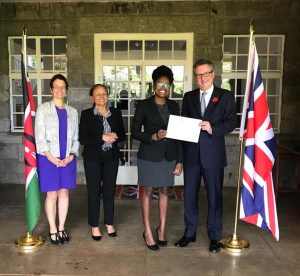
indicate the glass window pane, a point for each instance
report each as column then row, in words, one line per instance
column 135, row 89
column 107, row 49
column 31, row 46
column 60, row 64
column 18, row 104
column 60, row 46
column 15, row 63
column 273, row 87
column 122, row 73
column 135, row 73
column 165, row 49
column 229, row 64
column 31, row 63
column 274, row 121
column 45, row 87
column 151, row 49
column 177, row 90
column 15, row 46
column 135, row 49
column 47, row 63
column 275, row 45
column 275, row 63
column 179, row 49
column 261, row 45
column 242, row 62
column 121, row 49
column 178, row 72
column 109, row 73
column 273, row 102
column 149, row 71
column 46, row 98
column 263, row 63
column 243, row 45
column 229, row 45
column 18, row 120
column 16, row 87
column 46, row 46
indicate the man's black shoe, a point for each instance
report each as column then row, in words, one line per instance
column 214, row 246
column 184, row 241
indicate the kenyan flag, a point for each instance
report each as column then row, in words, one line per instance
column 33, row 204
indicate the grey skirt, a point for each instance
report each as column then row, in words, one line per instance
column 155, row 174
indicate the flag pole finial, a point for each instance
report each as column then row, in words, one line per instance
column 251, row 29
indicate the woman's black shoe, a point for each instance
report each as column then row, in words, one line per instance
column 153, row 247
column 96, row 238
column 57, row 240
column 113, row 234
column 64, row 236
column 161, row 242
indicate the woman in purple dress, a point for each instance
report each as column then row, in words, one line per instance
column 56, row 130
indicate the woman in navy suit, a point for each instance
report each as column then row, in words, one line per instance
column 159, row 158
column 100, row 130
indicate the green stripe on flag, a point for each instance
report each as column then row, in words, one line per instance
column 33, row 203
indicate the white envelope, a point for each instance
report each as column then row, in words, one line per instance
column 183, row 128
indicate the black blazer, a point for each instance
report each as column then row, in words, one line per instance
column 221, row 113
column 147, row 115
column 91, row 131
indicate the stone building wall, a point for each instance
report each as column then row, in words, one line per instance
column 208, row 20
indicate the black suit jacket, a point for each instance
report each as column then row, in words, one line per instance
column 221, row 113
column 147, row 115
column 91, row 131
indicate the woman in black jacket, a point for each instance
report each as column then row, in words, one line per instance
column 100, row 130
column 159, row 158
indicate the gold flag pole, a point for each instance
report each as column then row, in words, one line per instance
column 234, row 244
column 28, row 242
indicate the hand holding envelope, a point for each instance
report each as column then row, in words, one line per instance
column 184, row 128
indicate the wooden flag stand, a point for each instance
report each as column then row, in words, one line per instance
column 233, row 243
column 29, row 242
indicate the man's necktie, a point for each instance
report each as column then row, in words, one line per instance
column 202, row 103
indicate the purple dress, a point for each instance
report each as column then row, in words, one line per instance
column 52, row 178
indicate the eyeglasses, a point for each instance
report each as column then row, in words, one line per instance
column 100, row 95
column 59, row 87
column 161, row 85
column 204, row 75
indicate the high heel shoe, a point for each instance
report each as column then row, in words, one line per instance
column 58, row 240
column 64, row 236
column 96, row 238
column 153, row 247
column 112, row 234
column 161, row 242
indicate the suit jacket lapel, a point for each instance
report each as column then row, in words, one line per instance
column 155, row 111
column 196, row 100
column 215, row 97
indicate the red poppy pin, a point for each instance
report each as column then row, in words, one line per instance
column 215, row 99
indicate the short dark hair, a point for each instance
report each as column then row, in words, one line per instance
column 59, row 77
column 162, row 71
column 202, row 62
column 98, row 85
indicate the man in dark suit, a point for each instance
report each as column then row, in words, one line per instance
column 207, row 158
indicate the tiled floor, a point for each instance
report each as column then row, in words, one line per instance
column 127, row 254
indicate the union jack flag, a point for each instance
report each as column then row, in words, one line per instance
column 257, row 205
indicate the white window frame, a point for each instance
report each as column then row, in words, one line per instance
column 188, row 62
column 128, row 174
column 266, row 74
column 38, row 75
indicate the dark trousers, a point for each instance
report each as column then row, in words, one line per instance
column 101, row 176
column 213, row 181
